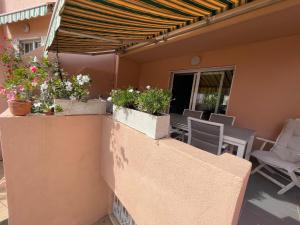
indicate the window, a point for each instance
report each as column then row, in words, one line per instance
column 27, row 46
column 207, row 91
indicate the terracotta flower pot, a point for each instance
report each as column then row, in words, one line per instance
column 19, row 108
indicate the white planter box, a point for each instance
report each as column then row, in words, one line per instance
column 154, row 126
column 74, row 107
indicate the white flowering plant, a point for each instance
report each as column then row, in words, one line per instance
column 152, row 100
column 124, row 98
column 75, row 87
column 47, row 107
column 61, row 86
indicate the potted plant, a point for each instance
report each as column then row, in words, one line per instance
column 209, row 102
column 143, row 111
column 21, row 80
column 70, row 94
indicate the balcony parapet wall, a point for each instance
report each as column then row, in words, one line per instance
column 167, row 182
column 61, row 170
column 52, row 169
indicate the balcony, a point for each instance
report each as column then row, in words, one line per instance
column 65, row 169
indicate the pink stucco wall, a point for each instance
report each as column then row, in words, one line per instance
column 58, row 170
column 265, row 90
column 128, row 73
column 38, row 28
column 101, row 69
column 53, row 170
column 168, row 182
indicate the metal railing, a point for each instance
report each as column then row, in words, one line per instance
column 120, row 213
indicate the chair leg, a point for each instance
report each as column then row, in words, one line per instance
column 286, row 188
column 182, row 136
column 295, row 178
column 295, row 182
column 259, row 167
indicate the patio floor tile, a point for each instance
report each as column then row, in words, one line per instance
column 262, row 205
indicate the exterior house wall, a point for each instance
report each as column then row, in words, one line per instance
column 127, row 73
column 38, row 28
column 15, row 5
column 62, row 167
column 265, row 91
column 101, row 69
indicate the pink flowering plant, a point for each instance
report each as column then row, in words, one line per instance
column 39, row 81
column 22, row 79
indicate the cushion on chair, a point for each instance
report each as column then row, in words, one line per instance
column 271, row 158
column 287, row 146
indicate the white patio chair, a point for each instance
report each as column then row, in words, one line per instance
column 205, row 135
column 220, row 118
column 283, row 157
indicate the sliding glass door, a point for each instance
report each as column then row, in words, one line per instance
column 212, row 91
column 207, row 91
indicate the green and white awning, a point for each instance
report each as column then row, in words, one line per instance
column 24, row 14
column 102, row 26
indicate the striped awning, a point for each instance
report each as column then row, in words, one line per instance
column 24, row 14
column 101, row 26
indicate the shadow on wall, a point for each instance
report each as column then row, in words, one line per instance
column 108, row 139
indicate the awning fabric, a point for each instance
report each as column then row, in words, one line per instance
column 95, row 26
column 24, row 14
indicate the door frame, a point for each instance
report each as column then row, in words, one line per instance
column 197, row 74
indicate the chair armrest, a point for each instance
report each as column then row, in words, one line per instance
column 264, row 142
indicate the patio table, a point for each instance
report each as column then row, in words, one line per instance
column 241, row 137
